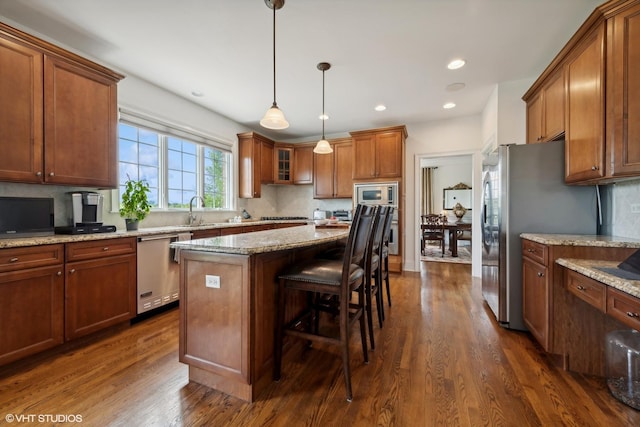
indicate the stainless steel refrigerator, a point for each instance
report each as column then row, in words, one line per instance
column 524, row 192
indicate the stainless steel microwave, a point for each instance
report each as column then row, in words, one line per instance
column 378, row 193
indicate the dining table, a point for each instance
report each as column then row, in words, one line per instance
column 453, row 228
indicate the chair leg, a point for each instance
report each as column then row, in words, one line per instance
column 386, row 269
column 368, row 310
column 379, row 307
column 344, row 338
column 363, row 333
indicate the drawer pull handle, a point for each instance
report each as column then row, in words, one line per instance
column 13, row 260
column 531, row 250
column 581, row 288
column 540, row 274
column 106, row 248
column 631, row 314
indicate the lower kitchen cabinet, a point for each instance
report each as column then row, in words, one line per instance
column 100, row 290
column 31, row 313
column 544, row 300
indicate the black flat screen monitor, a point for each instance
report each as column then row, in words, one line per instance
column 26, row 216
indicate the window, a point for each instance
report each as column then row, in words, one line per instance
column 176, row 165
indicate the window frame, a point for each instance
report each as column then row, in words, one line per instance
column 165, row 130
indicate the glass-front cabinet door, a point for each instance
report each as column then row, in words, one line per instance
column 284, row 165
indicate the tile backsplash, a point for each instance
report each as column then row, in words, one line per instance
column 624, row 222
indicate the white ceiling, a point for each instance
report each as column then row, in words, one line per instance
column 381, row 51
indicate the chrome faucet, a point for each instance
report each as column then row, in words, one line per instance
column 192, row 217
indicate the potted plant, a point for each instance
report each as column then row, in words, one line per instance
column 135, row 203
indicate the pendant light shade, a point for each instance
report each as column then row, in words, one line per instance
column 274, row 117
column 323, row 146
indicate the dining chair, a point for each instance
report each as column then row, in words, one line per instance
column 337, row 278
column 384, row 262
column 432, row 229
column 373, row 265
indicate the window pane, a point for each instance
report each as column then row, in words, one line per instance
column 174, row 144
column 174, row 160
column 189, row 163
column 127, row 132
column 148, row 155
column 149, row 174
column 128, row 151
column 189, row 181
column 148, row 137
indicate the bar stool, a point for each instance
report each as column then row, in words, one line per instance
column 337, row 279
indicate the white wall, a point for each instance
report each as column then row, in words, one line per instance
column 433, row 140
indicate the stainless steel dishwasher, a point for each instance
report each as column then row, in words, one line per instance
column 158, row 270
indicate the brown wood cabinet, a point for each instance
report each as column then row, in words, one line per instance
column 284, row 165
column 59, row 114
column 536, row 290
column 303, row 164
column 623, row 87
column 601, row 63
column 31, row 291
column 100, row 285
column 332, row 173
column 378, row 153
column 584, row 146
column 545, row 111
column 544, row 292
column 255, row 164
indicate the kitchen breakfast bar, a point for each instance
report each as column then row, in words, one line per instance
column 228, row 287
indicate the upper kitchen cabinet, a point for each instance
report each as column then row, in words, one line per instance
column 378, row 153
column 332, row 173
column 623, row 87
column 58, row 112
column 283, row 163
column 601, row 67
column 584, row 146
column 545, row 110
column 303, row 161
column 255, row 164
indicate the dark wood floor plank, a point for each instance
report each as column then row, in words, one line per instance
column 440, row 359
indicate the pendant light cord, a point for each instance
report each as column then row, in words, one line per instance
column 323, row 115
column 274, row 56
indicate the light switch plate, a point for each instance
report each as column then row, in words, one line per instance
column 212, row 281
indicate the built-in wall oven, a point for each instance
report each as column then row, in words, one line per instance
column 380, row 193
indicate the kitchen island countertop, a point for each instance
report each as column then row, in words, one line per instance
column 265, row 241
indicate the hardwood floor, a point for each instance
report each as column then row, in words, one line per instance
column 440, row 360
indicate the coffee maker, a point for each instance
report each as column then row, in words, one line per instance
column 86, row 214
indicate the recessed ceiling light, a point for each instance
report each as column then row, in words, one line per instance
column 380, row 107
column 197, row 93
column 449, row 105
column 323, row 117
column 453, row 87
column 456, row 63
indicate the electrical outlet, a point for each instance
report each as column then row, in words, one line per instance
column 212, row 281
column 635, row 208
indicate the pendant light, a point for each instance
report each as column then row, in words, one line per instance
column 323, row 146
column 274, row 117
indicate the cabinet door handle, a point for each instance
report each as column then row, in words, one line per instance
column 39, row 173
column 106, row 248
column 632, row 314
column 51, row 174
column 73, row 270
column 59, row 273
column 13, row 259
column 580, row 288
column 594, row 168
column 540, row 274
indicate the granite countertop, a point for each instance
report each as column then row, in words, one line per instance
column 68, row 238
column 589, row 268
column 265, row 241
column 582, row 240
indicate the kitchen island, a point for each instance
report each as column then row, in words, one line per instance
column 228, row 286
